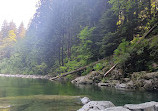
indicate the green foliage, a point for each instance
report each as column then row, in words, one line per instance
column 17, row 65
column 69, row 77
column 105, row 79
column 83, row 50
column 56, row 42
column 154, row 42
column 121, row 54
column 152, row 66
column 39, row 69
column 121, row 5
column 81, row 53
column 88, row 70
column 98, row 67
column 108, row 44
column 134, row 56
column 69, row 66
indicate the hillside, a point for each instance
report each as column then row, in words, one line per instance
column 67, row 35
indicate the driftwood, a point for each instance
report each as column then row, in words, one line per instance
column 77, row 70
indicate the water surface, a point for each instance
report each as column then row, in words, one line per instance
column 39, row 95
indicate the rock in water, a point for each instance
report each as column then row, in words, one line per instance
column 119, row 108
column 148, row 106
column 90, row 78
column 96, row 106
column 85, row 100
column 121, row 86
column 156, row 107
column 82, row 80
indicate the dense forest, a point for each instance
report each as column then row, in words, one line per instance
column 67, row 34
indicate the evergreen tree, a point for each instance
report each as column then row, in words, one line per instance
column 5, row 28
column 21, row 31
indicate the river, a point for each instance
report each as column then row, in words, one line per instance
column 17, row 94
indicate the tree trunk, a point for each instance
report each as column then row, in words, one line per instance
column 62, row 55
column 149, row 8
column 59, row 56
column 137, row 9
column 69, row 46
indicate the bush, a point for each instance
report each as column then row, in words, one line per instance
column 88, row 70
column 121, row 54
column 98, row 67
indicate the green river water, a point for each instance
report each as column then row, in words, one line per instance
column 18, row 94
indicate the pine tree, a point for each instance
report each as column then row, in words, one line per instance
column 21, row 31
column 12, row 26
column 5, row 29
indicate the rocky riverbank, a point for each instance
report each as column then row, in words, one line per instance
column 109, row 106
column 26, row 76
column 138, row 80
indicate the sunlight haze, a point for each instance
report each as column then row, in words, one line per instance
column 17, row 10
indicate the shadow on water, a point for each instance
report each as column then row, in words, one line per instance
column 32, row 95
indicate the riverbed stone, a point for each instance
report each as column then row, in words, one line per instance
column 96, row 105
column 121, row 86
column 116, row 74
column 93, row 77
column 119, row 108
column 109, row 83
column 148, row 84
column 104, row 84
column 156, row 107
column 85, row 100
column 130, row 85
column 148, row 106
column 82, row 80
column 26, row 76
column 126, row 79
column 151, row 75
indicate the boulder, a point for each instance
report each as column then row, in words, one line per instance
column 121, row 86
column 96, row 106
column 130, row 85
column 126, row 79
column 119, row 108
column 110, row 83
column 85, row 100
column 116, row 74
column 147, row 84
column 104, row 84
column 151, row 75
column 151, row 84
column 90, row 78
column 156, row 107
column 145, row 81
column 82, row 80
column 148, row 106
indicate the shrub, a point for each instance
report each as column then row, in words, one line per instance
column 98, row 67
column 85, row 72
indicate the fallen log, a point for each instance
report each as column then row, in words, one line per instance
column 110, row 70
column 77, row 70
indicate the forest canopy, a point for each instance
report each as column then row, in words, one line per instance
column 67, row 34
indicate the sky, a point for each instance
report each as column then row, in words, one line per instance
column 17, row 11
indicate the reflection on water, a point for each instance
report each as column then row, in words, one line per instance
column 21, row 94
column 40, row 103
